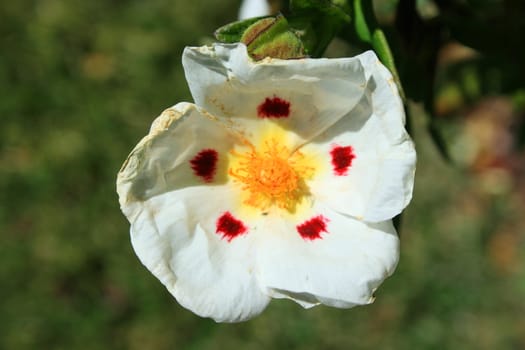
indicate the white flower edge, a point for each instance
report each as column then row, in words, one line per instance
column 400, row 161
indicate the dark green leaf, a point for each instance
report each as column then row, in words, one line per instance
column 317, row 22
column 335, row 9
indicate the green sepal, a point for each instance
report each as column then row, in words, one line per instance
column 266, row 36
column 232, row 32
column 272, row 37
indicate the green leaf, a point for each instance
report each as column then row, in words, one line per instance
column 232, row 32
column 332, row 8
column 317, row 22
column 361, row 22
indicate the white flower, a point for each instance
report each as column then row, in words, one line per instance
column 279, row 182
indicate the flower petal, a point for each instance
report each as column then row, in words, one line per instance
column 176, row 236
column 185, row 147
column 304, row 96
column 375, row 181
column 340, row 269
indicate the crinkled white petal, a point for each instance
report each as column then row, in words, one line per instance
column 173, row 218
column 378, row 185
column 160, row 162
column 225, row 81
column 342, row 269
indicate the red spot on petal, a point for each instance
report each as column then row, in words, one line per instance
column 204, row 164
column 342, row 158
column 230, row 227
column 311, row 229
column 274, row 107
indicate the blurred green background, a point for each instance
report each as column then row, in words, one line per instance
column 81, row 82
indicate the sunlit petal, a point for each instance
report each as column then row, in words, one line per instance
column 341, row 268
column 226, row 82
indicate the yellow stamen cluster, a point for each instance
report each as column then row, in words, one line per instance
column 272, row 175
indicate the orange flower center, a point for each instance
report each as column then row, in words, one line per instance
column 272, row 175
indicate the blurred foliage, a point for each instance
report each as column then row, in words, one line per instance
column 82, row 82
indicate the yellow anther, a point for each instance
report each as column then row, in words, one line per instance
column 272, row 175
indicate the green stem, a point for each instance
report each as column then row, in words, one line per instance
column 368, row 31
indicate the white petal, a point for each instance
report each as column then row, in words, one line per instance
column 175, row 237
column 378, row 184
column 341, row 269
column 174, row 215
column 226, row 82
column 161, row 162
column 385, row 95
